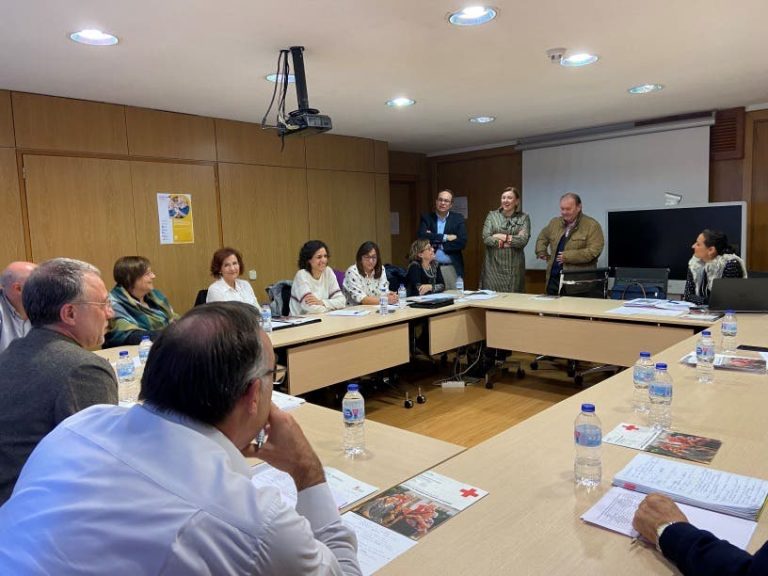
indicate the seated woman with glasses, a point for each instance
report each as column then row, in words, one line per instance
column 315, row 289
column 424, row 276
column 362, row 281
column 140, row 309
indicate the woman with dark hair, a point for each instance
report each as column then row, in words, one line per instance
column 315, row 289
column 505, row 233
column 424, row 274
column 140, row 309
column 712, row 258
column 227, row 265
column 362, row 281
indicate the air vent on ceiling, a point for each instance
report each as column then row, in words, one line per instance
column 726, row 137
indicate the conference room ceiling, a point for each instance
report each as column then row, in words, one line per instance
column 210, row 58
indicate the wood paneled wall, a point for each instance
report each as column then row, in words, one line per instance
column 91, row 172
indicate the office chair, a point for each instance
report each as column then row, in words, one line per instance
column 201, row 297
column 591, row 283
column 630, row 283
column 279, row 297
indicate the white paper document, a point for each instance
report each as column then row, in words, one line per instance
column 349, row 312
column 631, row 436
column 376, row 545
column 632, row 311
column 617, row 508
column 345, row 489
column 286, row 401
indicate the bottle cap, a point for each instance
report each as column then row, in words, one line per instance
column 645, row 354
column 123, row 353
column 706, row 333
column 145, row 338
column 729, row 311
column 588, row 408
column 352, row 387
column 661, row 366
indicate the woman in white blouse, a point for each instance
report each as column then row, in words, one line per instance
column 226, row 265
column 315, row 289
column 362, row 281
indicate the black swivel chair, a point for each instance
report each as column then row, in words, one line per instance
column 632, row 283
column 201, row 297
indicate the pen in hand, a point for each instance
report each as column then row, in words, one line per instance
column 260, row 439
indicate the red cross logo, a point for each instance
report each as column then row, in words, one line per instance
column 467, row 493
column 630, row 427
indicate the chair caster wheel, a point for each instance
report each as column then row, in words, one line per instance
column 520, row 374
column 420, row 398
column 408, row 403
column 534, row 365
column 489, row 385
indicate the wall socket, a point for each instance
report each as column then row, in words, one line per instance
column 454, row 384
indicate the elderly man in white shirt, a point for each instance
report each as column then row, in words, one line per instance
column 13, row 319
column 164, row 487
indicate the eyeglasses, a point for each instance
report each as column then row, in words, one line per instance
column 370, row 257
column 104, row 304
column 444, row 201
column 278, row 374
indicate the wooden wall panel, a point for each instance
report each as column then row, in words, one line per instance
column 12, row 245
column 481, row 179
column 169, row 135
column 758, row 255
column 331, row 152
column 6, row 120
column 381, row 157
column 408, row 164
column 80, row 208
column 342, row 212
column 401, row 201
column 182, row 269
column 247, row 143
column 383, row 235
column 264, row 214
column 50, row 123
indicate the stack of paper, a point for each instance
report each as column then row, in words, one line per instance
column 733, row 494
column 745, row 362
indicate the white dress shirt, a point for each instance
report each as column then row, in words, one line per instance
column 134, row 491
column 12, row 325
column 220, row 291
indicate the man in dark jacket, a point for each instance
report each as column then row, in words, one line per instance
column 447, row 233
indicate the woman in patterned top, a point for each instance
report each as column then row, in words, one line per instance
column 362, row 281
column 712, row 258
column 505, row 233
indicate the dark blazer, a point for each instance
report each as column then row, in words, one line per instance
column 454, row 224
column 45, row 377
column 702, row 553
column 416, row 277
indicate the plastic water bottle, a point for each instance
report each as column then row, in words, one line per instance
column 642, row 375
column 660, row 396
column 383, row 297
column 705, row 358
column 144, row 347
column 460, row 286
column 353, row 408
column 588, row 436
column 729, row 328
column 402, row 294
column 266, row 318
column 125, row 368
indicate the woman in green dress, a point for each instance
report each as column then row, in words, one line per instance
column 505, row 233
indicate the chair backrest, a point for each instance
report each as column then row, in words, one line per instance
column 590, row 283
column 339, row 276
column 633, row 283
column 279, row 295
column 201, row 296
column 395, row 276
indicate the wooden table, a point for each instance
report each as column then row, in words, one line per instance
column 529, row 523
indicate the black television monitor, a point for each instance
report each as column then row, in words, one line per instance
column 662, row 237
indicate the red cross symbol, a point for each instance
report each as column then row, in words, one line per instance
column 467, row 493
column 630, row 427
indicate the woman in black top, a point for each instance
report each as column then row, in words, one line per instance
column 424, row 276
column 712, row 258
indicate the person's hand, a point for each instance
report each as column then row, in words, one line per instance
column 654, row 511
column 392, row 298
column 313, row 300
column 559, row 258
column 544, row 257
column 500, row 237
column 450, row 237
column 424, row 288
column 287, row 449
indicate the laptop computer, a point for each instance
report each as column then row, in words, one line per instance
column 739, row 294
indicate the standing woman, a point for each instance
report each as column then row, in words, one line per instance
column 227, row 265
column 140, row 309
column 505, row 233
column 424, row 276
column 712, row 258
column 315, row 289
column 362, row 281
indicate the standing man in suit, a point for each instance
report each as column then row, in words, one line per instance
column 447, row 233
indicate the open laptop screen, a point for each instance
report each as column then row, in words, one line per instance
column 739, row 294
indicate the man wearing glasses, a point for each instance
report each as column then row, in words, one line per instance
column 165, row 486
column 447, row 233
column 49, row 374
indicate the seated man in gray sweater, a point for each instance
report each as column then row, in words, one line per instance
column 49, row 374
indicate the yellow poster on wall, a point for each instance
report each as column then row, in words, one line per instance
column 175, row 214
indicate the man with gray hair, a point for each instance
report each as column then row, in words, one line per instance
column 49, row 374
column 13, row 319
column 164, row 487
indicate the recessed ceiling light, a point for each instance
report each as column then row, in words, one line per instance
column 645, row 88
column 473, row 16
column 482, row 119
column 576, row 60
column 400, row 102
column 279, row 78
column 94, row 37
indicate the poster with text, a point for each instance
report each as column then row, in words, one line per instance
column 175, row 214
